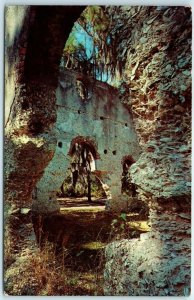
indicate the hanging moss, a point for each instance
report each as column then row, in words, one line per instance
column 103, row 61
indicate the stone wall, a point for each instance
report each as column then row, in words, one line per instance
column 17, row 22
column 31, row 100
column 91, row 111
column 156, row 42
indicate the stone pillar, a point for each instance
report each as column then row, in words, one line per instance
column 30, row 141
column 116, row 201
column 45, row 199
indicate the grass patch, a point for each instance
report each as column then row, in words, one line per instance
column 93, row 245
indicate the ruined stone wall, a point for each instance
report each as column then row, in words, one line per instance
column 30, row 93
column 155, row 46
column 30, row 100
column 89, row 110
column 17, row 22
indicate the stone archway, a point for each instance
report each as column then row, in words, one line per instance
column 45, row 200
column 30, row 87
column 31, row 141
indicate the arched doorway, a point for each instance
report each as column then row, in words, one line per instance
column 82, row 179
column 127, row 186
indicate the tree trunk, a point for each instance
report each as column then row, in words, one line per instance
column 89, row 187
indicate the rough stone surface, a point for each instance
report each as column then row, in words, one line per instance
column 150, row 266
column 157, row 86
column 28, row 133
column 156, row 264
column 17, row 22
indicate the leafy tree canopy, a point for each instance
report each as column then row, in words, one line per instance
column 90, row 43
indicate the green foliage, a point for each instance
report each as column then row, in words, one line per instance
column 119, row 226
column 95, row 18
column 72, row 45
column 96, row 24
column 123, row 216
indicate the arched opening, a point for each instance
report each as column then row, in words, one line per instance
column 82, row 184
column 127, row 186
column 135, row 204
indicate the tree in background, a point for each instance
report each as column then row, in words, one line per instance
column 90, row 47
